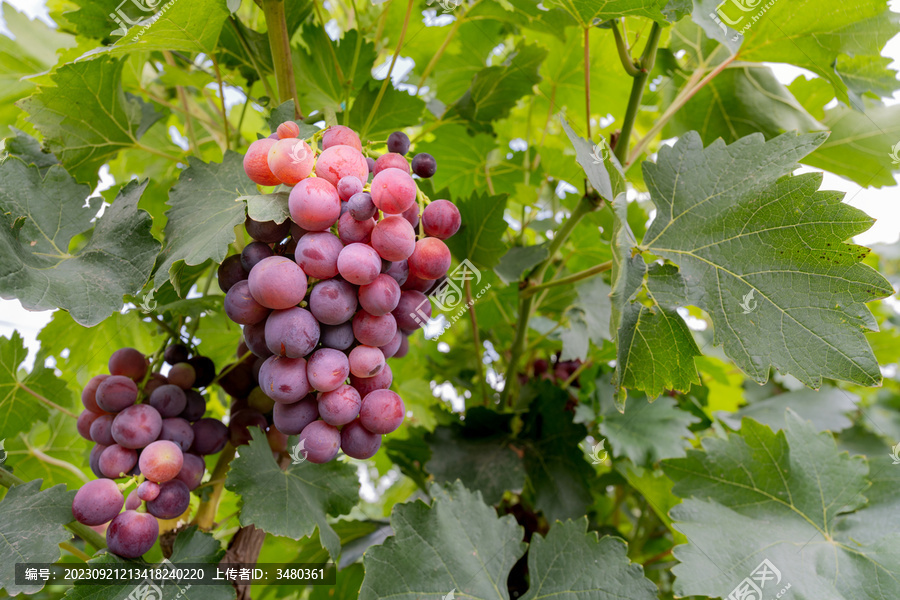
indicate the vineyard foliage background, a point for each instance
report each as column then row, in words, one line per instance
column 624, row 173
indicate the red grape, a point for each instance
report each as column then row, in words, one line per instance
column 380, row 381
column 169, row 400
column 338, row 135
column 413, row 310
column 351, row 231
column 147, row 491
column 317, row 254
column 293, row 332
column 390, row 349
column 359, row 443
column 314, row 204
column 192, row 470
column 94, row 459
column 131, row 534
column 85, row 422
column 374, row 330
column 291, row 160
column 430, row 260
column 332, row 302
column 128, row 362
column 183, row 375
column 116, row 393
column 210, row 436
column 290, row 419
column 288, row 129
column 359, row 264
column 327, row 369
column 178, row 431
column 241, row 307
column 340, row 406
column 174, row 498
column 411, row 215
column 132, row 502
column 89, row 394
column 337, row 162
column 116, row 461
column 136, row 426
column 394, row 238
column 321, row 441
column 256, row 162
column 391, row 160
column 441, row 219
column 284, row 379
column 155, row 381
column 161, row 461
column 403, row 349
column 382, row 411
column 393, row 191
column 101, row 430
column 97, row 502
column 381, row 296
column 277, row 282
column 366, row 361
column 399, row 271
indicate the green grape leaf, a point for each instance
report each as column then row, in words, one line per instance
column 480, row 238
column 86, row 117
column 518, row 260
column 826, row 409
column 598, row 164
column 590, row 12
column 318, row 82
column 204, row 213
column 293, row 502
column 41, row 214
column 397, row 110
column 29, row 150
column 462, row 159
column 764, row 255
column 268, row 207
column 457, row 543
column 648, row 431
column 790, row 498
column 285, row 112
column 32, row 525
column 572, row 563
column 588, row 319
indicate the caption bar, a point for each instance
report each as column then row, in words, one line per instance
column 180, row 575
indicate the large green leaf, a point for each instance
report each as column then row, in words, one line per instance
column 480, row 238
column 826, row 409
column 648, row 431
column 588, row 318
column 41, row 214
column 86, row 117
column 318, row 82
column 204, row 213
column 293, row 502
column 589, row 12
column 790, row 498
column 398, row 109
column 32, row 525
column 765, row 256
column 462, row 159
column 457, row 543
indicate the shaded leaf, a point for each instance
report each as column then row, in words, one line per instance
column 518, row 260
column 480, row 239
column 827, row 409
column 648, row 431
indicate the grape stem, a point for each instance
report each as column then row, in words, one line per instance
column 280, row 45
column 90, row 536
column 648, row 59
column 206, row 512
column 600, row 268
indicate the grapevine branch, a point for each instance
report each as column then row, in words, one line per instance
column 387, row 79
column 590, row 272
column 206, row 512
column 648, row 58
column 280, row 45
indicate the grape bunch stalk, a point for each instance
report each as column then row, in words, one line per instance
column 328, row 295
column 149, row 431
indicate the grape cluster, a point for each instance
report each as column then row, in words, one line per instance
column 330, row 294
column 151, row 426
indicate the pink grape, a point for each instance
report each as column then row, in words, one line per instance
column 89, row 394
column 192, row 470
column 393, row 191
column 101, row 430
column 148, row 491
column 136, row 426
column 380, row 381
column 128, row 362
column 161, row 461
column 293, row 332
column 340, row 406
column 116, row 461
column 291, row 419
column 179, row 431
column 169, row 400
column 382, row 411
column 131, row 534
column 381, row 296
column 210, row 436
column 441, row 219
column 116, row 393
column 337, row 162
column 256, row 163
column 288, row 129
column 317, row 254
column 94, row 459
column 174, row 498
column 327, row 369
column 291, row 160
column 413, row 310
column 338, row 135
column 391, row 160
column 85, row 420
column 348, row 186
column 277, row 282
column 390, row 349
column 321, row 441
column 359, row 443
column 332, row 302
column 97, row 502
column 373, row 330
column 339, row 337
column 366, row 361
column 241, row 307
column 399, row 271
column 430, row 260
column 314, row 204
column 394, row 238
column 284, row 379
column 359, row 264
column 351, row 231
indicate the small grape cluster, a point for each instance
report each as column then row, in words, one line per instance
column 150, row 428
column 330, row 294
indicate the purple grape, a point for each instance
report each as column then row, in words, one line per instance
column 351, row 231
column 411, row 215
column 284, row 379
column 339, row 407
column 424, row 165
column 253, row 253
column 182, row 375
column 136, row 426
column 116, row 460
column 240, row 424
column 161, row 461
column 332, row 301
column 237, row 379
column 348, row 186
column 380, row 381
column 89, row 394
column 374, row 330
column 179, row 431
column 321, row 441
column 147, row 491
column 403, row 349
column 168, row 400
column 293, row 332
column 267, row 231
column 381, row 296
column 366, row 361
column 205, row 369
column 370, row 162
column 94, row 460
column 153, row 382
column 116, row 393
column 359, row 264
column 399, row 271
column 327, row 369
column 131, row 534
column 382, row 411
column 97, row 502
column 210, row 436
column 177, row 353
column 398, row 142
column 339, row 337
column 192, row 470
column 390, row 349
column 255, row 338
column 413, row 310
column 101, row 430
column 361, row 207
column 230, row 272
column 317, row 254
column 85, row 420
column 174, row 498
column 290, row 419
column 277, row 282
column 241, row 307
column 359, row 443
column 195, row 407
column 128, row 362
column 132, row 502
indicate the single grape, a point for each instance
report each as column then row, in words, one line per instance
column 291, row 160
column 380, row 381
column 210, row 436
column 339, row 337
column 128, row 362
column 340, row 406
column 399, row 271
column 361, row 207
column 97, row 502
column 351, row 231
column 284, row 379
column 398, row 142
column 382, row 411
column 317, row 254
column 417, row 284
column 321, row 441
column 230, row 272
column 290, row 419
column 267, row 231
column 390, row 349
column 183, row 375
column 89, row 393
column 116, row 461
column 132, row 502
column 359, row 264
column 424, row 165
column 178, row 431
column 240, row 424
column 192, row 470
column 411, row 215
column 314, row 204
column 391, row 160
column 338, row 135
column 241, row 307
column 430, row 260
column 94, row 459
column 337, row 162
column 288, row 129
column 205, row 369
column 394, row 238
column 155, row 381
column 148, row 491
column 359, row 443
column 253, row 253
column 136, row 426
column 161, row 461
column 174, row 498
column 293, row 332
column 277, row 282
column 195, row 406
column 131, row 534
column 255, row 338
column 297, row 232
column 116, row 393
column 370, row 162
column 393, row 191
column 381, row 296
column 101, row 430
column 332, row 302
column 256, row 162
column 374, row 330
column 327, row 369
column 348, row 186
column 441, row 219
column 168, row 400
column 258, row 400
column 366, row 361
column 403, row 349
column 237, row 379
column 85, row 421
column 413, row 310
